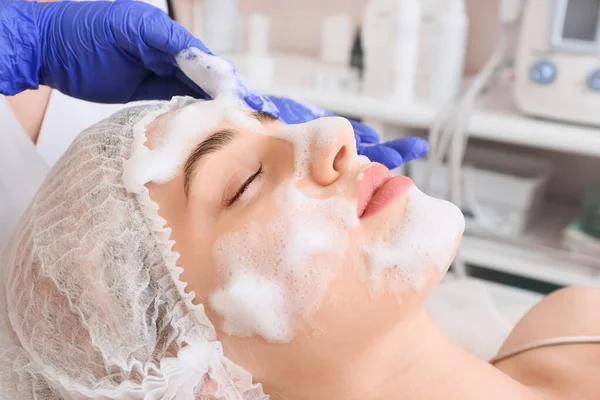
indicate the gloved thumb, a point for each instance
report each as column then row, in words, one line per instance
column 382, row 154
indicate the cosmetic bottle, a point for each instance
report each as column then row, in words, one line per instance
column 259, row 65
column 443, row 42
column 336, row 39
column 391, row 43
column 220, row 25
column 333, row 73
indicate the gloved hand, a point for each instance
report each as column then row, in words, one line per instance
column 392, row 154
column 106, row 52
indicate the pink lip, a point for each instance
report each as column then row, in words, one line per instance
column 379, row 188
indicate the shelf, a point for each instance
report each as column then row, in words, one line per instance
column 537, row 255
column 495, row 119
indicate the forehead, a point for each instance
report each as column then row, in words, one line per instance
column 163, row 145
column 195, row 122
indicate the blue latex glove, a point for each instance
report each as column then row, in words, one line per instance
column 105, row 52
column 392, row 154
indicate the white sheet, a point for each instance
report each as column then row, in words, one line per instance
column 22, row 170
column 478, row 316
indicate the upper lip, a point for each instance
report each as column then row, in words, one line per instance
column 374, row 176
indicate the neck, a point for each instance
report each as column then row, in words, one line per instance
column 416, row 361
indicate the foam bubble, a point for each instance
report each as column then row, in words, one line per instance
column 283, row 252
column 252, row 304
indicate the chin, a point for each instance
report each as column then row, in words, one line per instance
column 413, row 241
column 439, row 222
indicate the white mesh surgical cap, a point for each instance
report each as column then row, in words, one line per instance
column 91, row 305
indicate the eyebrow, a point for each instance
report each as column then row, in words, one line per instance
column 264, row 117
column 214, row 143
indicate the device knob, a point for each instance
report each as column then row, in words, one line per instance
column 593, row 81
column 543, row 72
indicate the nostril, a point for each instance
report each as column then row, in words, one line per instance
column 340, row 159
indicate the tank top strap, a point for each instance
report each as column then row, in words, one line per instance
column 555, row 341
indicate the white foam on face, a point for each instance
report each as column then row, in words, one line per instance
column 406, row 251
column 190, row 123
column 251, row 302
column 298, row 251
column 216, row 76
column 275, row 273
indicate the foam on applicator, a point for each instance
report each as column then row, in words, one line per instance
column 214, row 74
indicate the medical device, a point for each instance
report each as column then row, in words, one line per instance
column 558, row 60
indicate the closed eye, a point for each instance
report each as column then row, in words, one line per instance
column 244, row 187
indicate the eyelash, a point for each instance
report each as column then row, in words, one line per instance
column 245, row 186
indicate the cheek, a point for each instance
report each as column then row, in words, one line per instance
column 196, row 259
column 275, row 270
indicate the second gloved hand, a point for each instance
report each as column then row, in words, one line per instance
column 392, row 154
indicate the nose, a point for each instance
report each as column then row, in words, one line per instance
column 333, row 149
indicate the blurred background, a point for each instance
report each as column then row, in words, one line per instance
column 506, row 91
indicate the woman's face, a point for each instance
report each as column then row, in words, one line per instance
column 297, row 247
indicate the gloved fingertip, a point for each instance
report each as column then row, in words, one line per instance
column 382, row 154
column 394, row 163
column 410, row 147
column 421, row 147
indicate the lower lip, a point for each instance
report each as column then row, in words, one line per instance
column 387, row 193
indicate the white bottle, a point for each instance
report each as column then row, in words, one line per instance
column 334, row 74
column 377, row 39
column 450, row 61
column 391, row 42
column 259, row 65
column 443, row 38
column 406, row 49
column 337, row 36
column 220, row 25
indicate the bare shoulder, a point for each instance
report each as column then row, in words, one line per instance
column 568, row 370
column 565, row 312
